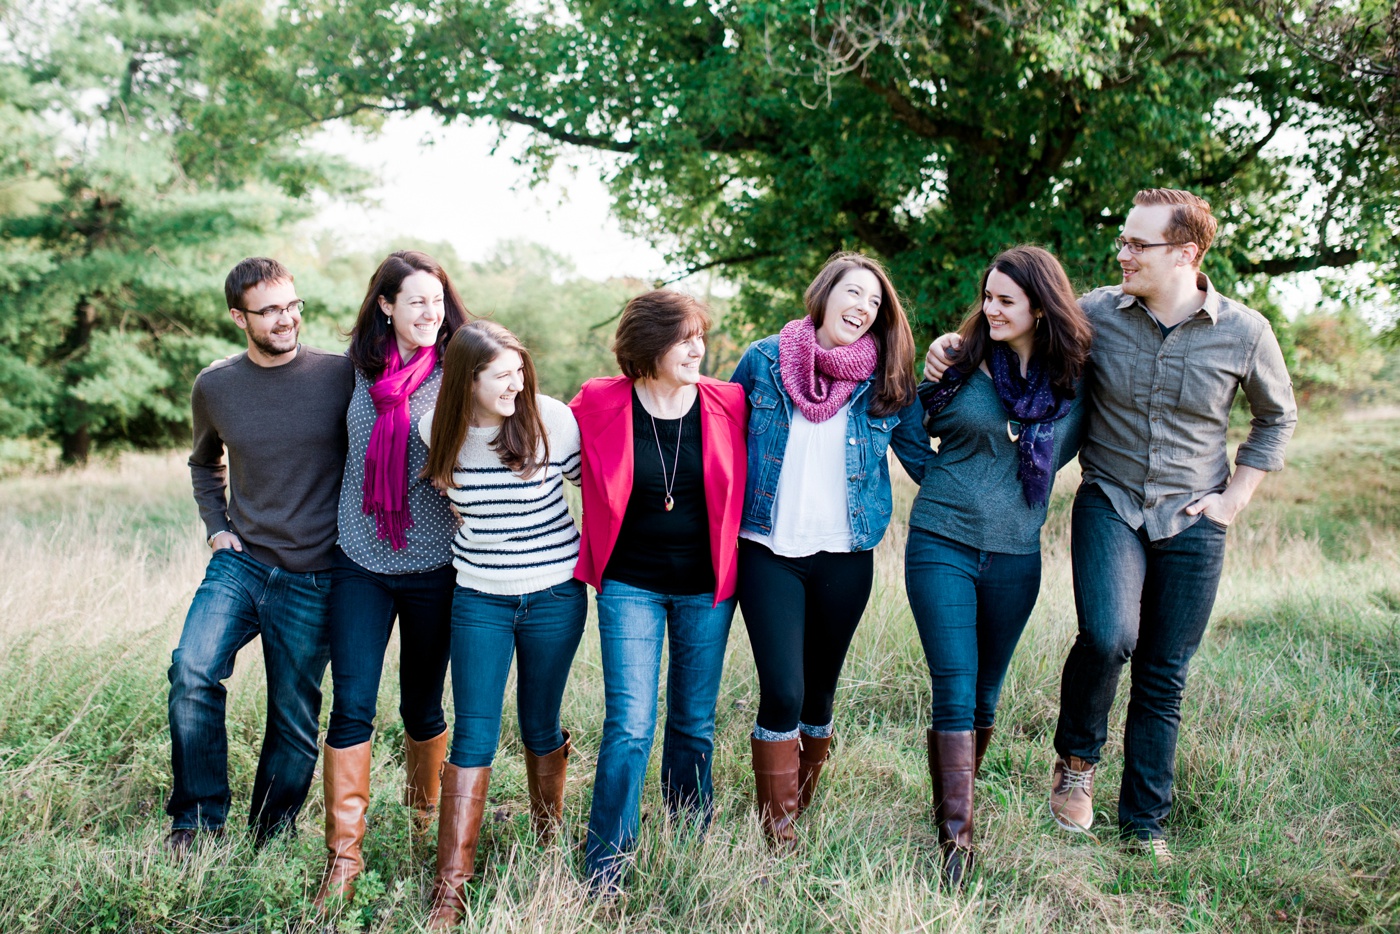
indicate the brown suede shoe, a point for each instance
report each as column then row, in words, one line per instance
column 775, row 766
column 545, row 776
column 459, row 830
column 422, row 765
column 345, row 778
column 1072, row 794
column 812, row 755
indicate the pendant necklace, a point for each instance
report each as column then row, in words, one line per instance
column 668, row 483
column 1013, row 435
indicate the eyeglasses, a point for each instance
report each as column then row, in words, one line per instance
column 277, row 311
column 1132, row 246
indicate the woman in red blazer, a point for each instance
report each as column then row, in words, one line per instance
column 664, row 465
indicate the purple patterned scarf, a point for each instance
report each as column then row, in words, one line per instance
column 1030, row 400
column 819, row 380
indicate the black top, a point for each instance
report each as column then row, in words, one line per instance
column 661, row 551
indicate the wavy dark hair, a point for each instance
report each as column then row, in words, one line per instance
column 523, row 443
column 894, row 374
column 1064, row 338
column 373, row 332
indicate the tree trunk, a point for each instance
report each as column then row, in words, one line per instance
column 74, row 438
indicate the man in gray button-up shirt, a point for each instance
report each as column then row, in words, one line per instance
column 1149, row 521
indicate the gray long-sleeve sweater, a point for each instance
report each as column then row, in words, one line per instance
column 284, row 430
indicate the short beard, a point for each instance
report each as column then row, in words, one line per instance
column 272, row 350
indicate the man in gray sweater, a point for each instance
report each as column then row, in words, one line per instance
column 278, row 409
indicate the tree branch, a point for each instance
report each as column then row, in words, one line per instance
column 1278, row 266
column 925, row 124
column 723, row 261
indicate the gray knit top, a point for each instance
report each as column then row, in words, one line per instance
column 970, row 493
column 434, row 520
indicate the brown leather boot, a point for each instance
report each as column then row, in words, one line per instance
column 459, row 828
column 951, row 761
column 345, row 777
column 812, row 755
column 775, row 767
column 545, row 775
column 984, row 739
column 422, row 765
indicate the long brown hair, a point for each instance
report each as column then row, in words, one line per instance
column 1064, row 335
column 523, row 443
column 894, row 374
column 373, row 332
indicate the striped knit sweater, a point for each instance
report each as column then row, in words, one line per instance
column 516, row 536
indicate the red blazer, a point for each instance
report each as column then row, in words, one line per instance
column 603, row 408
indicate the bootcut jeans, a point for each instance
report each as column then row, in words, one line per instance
column 632, row 625
column 1142, row 602
column 241, row 598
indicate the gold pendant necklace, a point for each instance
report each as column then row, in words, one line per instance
column 670, row 501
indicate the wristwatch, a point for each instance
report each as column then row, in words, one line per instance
column 210, row 540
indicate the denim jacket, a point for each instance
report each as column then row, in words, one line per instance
column 868, row 438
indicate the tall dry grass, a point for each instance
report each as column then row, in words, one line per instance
column 1287, row 813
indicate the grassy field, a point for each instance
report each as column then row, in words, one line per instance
column 1287, row 812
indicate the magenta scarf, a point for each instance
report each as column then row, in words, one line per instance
column 819, row 380
column 386, row 458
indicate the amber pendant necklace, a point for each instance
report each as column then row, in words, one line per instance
column 670, row 482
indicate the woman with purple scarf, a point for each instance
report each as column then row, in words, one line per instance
column 394, row 555
column 1008, row 415
column 828, row 396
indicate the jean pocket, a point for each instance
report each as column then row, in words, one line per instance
column 569, row 590
column 1222, row 526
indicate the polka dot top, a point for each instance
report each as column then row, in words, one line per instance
column 434, row 521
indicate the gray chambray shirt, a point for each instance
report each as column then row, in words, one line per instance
column 1159, row 407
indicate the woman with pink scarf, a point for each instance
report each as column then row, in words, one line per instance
column 393, row 558
column 828, row 396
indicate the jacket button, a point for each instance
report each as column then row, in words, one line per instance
column 850, row 440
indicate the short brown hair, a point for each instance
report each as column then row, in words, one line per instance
column 653, row 323
column 251, row 272
column 1191, row 220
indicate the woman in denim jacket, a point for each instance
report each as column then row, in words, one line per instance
column 827, row 397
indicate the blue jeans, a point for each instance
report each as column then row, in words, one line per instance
column 241, row 598
column 544, row 627
column 970, row 607
column 1144, row 601
column 632, row 623
column 363, row 607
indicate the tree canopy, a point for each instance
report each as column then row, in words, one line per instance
column 120, row 215
column 759, row 136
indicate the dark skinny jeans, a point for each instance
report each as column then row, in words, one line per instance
column 1144, row 601
column 363, row 606
column 970, row 607
column 801, row 614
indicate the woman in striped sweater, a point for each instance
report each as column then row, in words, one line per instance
column 502, row 452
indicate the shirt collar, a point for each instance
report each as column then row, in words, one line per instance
column 1211, row 306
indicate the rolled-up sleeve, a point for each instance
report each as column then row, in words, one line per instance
column 1269, row 390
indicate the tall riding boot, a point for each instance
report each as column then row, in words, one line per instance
column 775, row 767
column 345, row 776
column 814, row 752
column 984, row 739
column 545, row 775
column 422, row 765
column 459, row 828
column 951, row 761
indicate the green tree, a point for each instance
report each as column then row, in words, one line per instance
column 119, row 216
column 758, row 136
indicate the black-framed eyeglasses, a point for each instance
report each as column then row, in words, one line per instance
column 277, row 311
column 1132, row 246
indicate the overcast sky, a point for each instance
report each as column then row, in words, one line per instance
column 455, row 189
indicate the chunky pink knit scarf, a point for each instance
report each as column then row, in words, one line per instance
column 820, row 381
